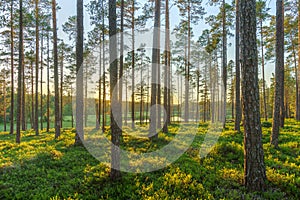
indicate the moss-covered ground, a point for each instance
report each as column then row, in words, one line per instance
column 44, row 168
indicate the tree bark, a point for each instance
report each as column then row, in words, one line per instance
column 61, row 88
column 121, row 78
column 103, row 65
column 279, row 75
column 238, row 111
column 224, row 65
column 32, row 95
column 42, row 67
column 154, row 73
column 296, row 75
column 4, row 102
column 132, row 68
column 187, row 67
column 12, row 98
column 115, row 172
column 197, row 95
column 23, row 116
column 298, row 70
column 281, row 52
column 99, row 95
column 167, row 69
column 126, row 101
column 263, row 70
column 48, row 82
column 254, row 168
column 55, row 54
column 141, row 93
column 20, row 69
column 79, row 77
column 37, row 41
column 85, row 95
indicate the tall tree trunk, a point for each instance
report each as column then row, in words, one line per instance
column 224, row 65
column 42, row 68
column 298, row 70
column 169, row 77
column 263, row 70
column 205, row 93
column 20, row 69
column 103, row 65
column 232, row 99
column 187, row 70
column 141, row 93
column 23, row 116
column 115, row 172
column 282, row 105
column 197, row 97
column 158, row 87
column 12, row 93
column 72, row 114
column 61, row 88
column 132, row 67
column 99, row 95
column 148, row 95
column 279, row 74
column 55, row 54
column 4, row 103
column 238, row 111
column 296, row 76
column 286, row 106
column 104, row 93
column 32, row 95
column 79, row 79
column 121, row 78
column 254, row 168
column 37, row 41
column 167, row 70
column 126, row 101
column 85, row 96
column 48, row 81
column 154, row 73
column 180, row 96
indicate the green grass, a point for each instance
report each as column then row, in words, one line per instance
column 44, row 168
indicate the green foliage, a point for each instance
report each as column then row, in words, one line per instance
column 44, row 168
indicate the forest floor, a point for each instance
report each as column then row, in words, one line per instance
column 44, row 168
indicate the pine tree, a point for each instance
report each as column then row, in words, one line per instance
column 20, row 70
column 55, row 55
column 278, row 109
column 238, row 109
column 79, row 79
column 115, row 173
column 255, row 172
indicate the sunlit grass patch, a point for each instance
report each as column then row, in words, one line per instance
column 175, row 184
column 232, row 175
column 287, row 182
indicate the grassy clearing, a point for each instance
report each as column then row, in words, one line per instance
column 44, row 168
